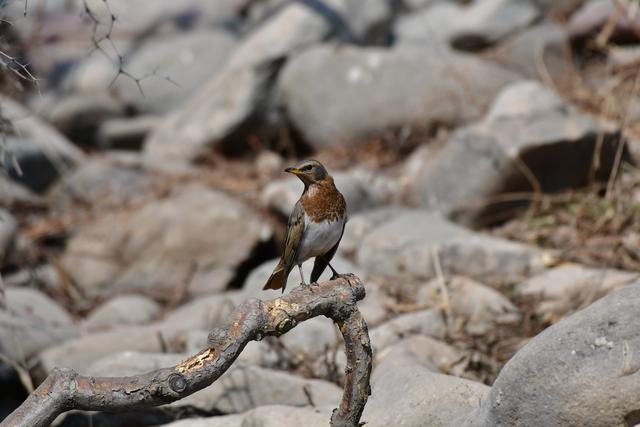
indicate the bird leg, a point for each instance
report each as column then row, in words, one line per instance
column 302, row 282
column 333, row 270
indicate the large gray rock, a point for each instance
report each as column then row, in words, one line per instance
column 539, row 52
column 42, row 153
column 413, row 396
column 579, row 371
column 194, row 234
column 8, row 231
column 221, row 421
column 244, row 387
column 31, row 322
column 424, row 322
column 342, row 94
column 410, row 241
column 428, row 352
column 488, row 21
column 123, row 310
column 286, row 416
column 569, row 287
column 429, row 27
column 129, row 363
column 530, row 138
column 182, row 64
column 219, row 111
column 105, row 181
column 479, row 309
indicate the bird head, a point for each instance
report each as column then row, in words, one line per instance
column 309, row 171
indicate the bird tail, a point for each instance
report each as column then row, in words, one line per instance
column 278, row 279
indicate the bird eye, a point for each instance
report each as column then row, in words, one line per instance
column 305, row 168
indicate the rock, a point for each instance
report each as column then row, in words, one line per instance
column 79, row 116
column 220, row 421
column 408, row 243
column 176, row 67
column 123, row 310
column 488, row 21
column 129, row 363
column 45, row 277
column 360, row 225
column 286, row 416
column 569, row 287
column 479, row 308
column 576, row 372
column 126, row 134
column 414, row 5
column 362, row 189
column 536, row 53
column 335, row 95
column 245, row 387
column 41, row 152
column 430, row 353
column 413, row 396
column 588, row 21
column 105, row 181
column 157, row 246
column 429, row 27
column 312, row 338
column 8, row 230
column 30, row 323
column 530, row 137
column 558, row 8
column 241, row 89
column 423, row 322
column 13, row 194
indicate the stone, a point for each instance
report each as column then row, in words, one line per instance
column 105, row 181
column 175, row 67
column 126, row 134
column 530, row 140
column 429, row 27
column 479, row 308
column 537, row 52
column 360, row 225
column 241, row 88
column 286, row 416
column 312, row 338
column 336, row 95
column 428, row 352
column 245, row 387
column 14, row 194
column 161, row 244
column 123, row 310
column 488, row 21
column 408, row 243
column 566, row 375
column 45, row 277
column 220, row 421
column 79, row 116
column 30, row 323
column 362, row 189
column 424, row 322
column 129, row 363
column 590, row 19
column 566, row 288
column 41, row 152
column 413, row 396
column 8, row 231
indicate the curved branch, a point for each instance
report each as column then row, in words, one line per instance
column 64, row 389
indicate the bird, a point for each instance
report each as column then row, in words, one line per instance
column 315, row 226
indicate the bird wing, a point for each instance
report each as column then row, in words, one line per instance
column 295, row 230
column 322, row 261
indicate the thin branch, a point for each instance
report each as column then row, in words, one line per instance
column 64, row 389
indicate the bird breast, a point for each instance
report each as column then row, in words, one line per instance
column 319, row 237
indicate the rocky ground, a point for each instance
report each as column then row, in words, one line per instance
column 486, row 149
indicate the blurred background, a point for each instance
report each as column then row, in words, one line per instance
column 486, row 149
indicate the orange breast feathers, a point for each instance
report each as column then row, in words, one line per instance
column 323, row 201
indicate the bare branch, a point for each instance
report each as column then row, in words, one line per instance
column 64, row 389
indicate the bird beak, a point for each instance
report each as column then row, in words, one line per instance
column 292, row 170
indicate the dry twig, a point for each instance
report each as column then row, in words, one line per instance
column 64, row 389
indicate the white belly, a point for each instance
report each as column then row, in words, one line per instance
column 318, row 238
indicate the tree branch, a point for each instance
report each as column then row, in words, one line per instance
column 64, row 389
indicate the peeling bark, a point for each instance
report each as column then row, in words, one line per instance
column 64, row 389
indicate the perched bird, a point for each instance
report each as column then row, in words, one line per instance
column 315, row 226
